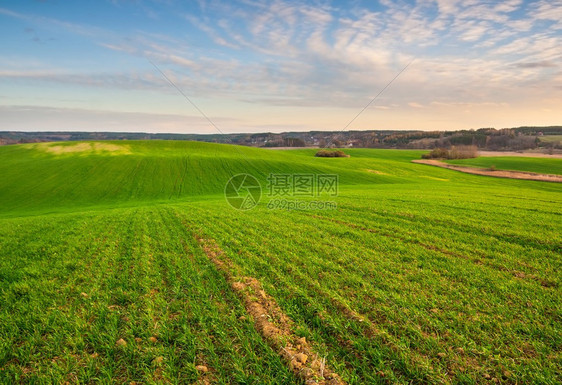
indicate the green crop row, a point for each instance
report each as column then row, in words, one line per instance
column 118, row 298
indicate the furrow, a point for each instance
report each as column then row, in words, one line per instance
column 276, row 327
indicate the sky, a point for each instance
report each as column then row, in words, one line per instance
column 280, row 65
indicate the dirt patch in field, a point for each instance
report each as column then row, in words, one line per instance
column 86, row 148
column 108, row 147
column 434, row 178
column 81, row 147
column 519, row 154
column 493, row 173
column 376, row 172
column 276, row 327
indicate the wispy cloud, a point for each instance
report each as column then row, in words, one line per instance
column 76, row 119
column 123, row 81
column 540, row 64
column 548, row 10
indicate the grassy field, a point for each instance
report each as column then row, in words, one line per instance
column 538, row 165
column 550, row 138
column 421, row 274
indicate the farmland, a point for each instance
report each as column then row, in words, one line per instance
column 551, row 138
column 421, row 274
column 537, row 165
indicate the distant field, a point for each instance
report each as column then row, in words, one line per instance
column 421, row 274
column 538, row 165
column 550, row 138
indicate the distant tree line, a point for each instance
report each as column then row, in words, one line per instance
column 455, row 152
column 505, row 139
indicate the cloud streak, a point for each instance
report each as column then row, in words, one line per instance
column 13, row 118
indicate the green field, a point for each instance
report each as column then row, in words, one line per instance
column 421, row 274
column 550, row 138
column 513, row 163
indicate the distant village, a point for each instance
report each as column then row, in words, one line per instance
column 505, row 139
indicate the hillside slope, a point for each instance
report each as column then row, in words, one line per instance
column 122, row 262
column 50, row 177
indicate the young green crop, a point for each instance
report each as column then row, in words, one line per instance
column 446, row 296
column 421, row 274
column 120, row 296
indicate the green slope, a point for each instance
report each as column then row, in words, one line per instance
column 70, row 176
column 74, row 175
column 421, row 275
column 53, row 177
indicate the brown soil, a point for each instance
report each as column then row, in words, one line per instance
column 276, row 327
column 96, row 147
column 520, row 154
column 494, row 173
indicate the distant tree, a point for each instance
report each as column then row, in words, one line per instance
column 456, row 152
column 294, row 142
column 331, row 154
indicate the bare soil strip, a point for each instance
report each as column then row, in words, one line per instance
column 276, row 327
column 494, row 173
column 519, row 154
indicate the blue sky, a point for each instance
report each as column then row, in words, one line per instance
column 255, row 66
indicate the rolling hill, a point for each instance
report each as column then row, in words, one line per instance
column 122, row 262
